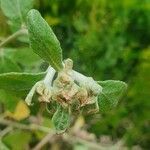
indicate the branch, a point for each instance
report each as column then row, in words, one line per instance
column 76, row 139
column 44, row 141
column 13, row 36
column 5, row 131
column 31, row 127
column 69, row 137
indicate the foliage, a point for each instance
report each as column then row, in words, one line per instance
column 16, row 11
column 111, row 93
column 106, row 40
column 43, row 40
column 46, row 45
column 61, row 119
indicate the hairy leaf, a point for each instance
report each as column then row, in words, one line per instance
column 16, row 9
column 43, row 40
column 25, row 57
column 61, row 119
column 111, row 93
column 8, row 65
column 19, row 81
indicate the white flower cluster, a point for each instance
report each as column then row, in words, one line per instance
column 68, row 88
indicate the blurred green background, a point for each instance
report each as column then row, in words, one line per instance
column 107, row 40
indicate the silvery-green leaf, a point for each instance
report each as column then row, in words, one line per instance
column 19, row 81
column 43, row 40
column 61, row 119
column 16, row 9
column 111, row 93
column 25, row 57
column 8, row 65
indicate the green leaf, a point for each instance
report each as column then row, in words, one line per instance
column 61, row 119
column 9, row 100
column 3, row 146
column 43, row 40
column 17, row 140
column 25, row 57
column 80, row 147
column 111, row 93
column 8, row 65
column 16, row 9
column 19, row 81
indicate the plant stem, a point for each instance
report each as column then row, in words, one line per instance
column 5, row 131
column 44, row 141
column 89, row 144
column 51, row 133
column 31, row 127
column 13, row 36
